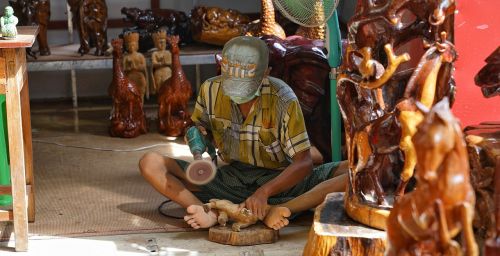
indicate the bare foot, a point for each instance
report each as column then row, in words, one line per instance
column 198, row 218
column 277, row 217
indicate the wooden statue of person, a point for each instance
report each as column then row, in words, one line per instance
column 161, row 59
column 134, row 63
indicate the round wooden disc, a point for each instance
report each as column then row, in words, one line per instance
column 255, row 234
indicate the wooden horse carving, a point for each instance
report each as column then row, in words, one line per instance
column 424, row 221
column 34, row 12
column 422, row 88
column 91, row 19
column 127, row 116
column 174, row 95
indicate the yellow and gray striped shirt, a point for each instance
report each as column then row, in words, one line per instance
column 273, row 132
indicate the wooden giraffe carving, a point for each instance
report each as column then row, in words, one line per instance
column 127, row 116
column 268, row 24
column 174, row 95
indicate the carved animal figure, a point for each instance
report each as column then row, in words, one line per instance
column 34, row 12
column 127, row 116
column 148, row 21
column 424, row 221
column 242, row 218
column 267, row 24
column 421, row 88
column 91, row 19
column 216, row 26
column 374, row 75
column 173, row 96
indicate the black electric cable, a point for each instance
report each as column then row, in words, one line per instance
column 167, row 215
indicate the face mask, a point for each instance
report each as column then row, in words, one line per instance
column 241, row 100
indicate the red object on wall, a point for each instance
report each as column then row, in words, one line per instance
column 477, row 35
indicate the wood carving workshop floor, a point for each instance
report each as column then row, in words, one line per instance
column 91, row 199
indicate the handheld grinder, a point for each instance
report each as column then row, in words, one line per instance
column 200, row 171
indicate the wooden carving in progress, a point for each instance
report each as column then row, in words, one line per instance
column 161, row 60
column 34, row 12
column 127, row 116
column 425, row 221
column 379, row 82
column 174, row 95
column 134, row 63
column 227, row 210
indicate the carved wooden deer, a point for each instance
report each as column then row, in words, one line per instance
column 174, row 95
column 127, row 116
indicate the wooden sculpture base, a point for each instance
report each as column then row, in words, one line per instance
column 255, row 234
column 365, row 214
column 334, row 233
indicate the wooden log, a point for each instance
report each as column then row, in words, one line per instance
column 255, row 234
column 334, row 233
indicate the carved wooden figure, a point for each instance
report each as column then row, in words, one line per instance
column 425, row 221
column 216, row 26
column 134, row 63
column 146, row 22
column 267, row 24
column 161, row 60
column 91, row 19
column 127, row 116
column 174, row 95
column 34, row 12
column 378, row 83
column 318, row 32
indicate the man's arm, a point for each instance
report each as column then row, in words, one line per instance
column 301, row 167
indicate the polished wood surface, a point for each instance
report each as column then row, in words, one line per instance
column 426, row 220
column 379, row 81
column 127, row 115
column 173, row 96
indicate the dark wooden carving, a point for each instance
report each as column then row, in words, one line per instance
column 173, row 96
column 149, row 21
column 377, row 88
column 214, row 25
column 488, row 77
column 127, row 116
column 303, row 64
column 483, row 145
column 91, row 19
column 34, row 12
column 425, row 221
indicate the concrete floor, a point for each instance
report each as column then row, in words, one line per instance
column 92, row 118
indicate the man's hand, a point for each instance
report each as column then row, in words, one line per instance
column 257, row 203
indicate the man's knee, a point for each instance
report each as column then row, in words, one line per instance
column 149, row 162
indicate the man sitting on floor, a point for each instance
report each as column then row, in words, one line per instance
column 258, row 128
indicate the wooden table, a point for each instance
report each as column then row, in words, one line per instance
column 14, row 84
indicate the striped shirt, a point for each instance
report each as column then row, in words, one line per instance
column 273, row 132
